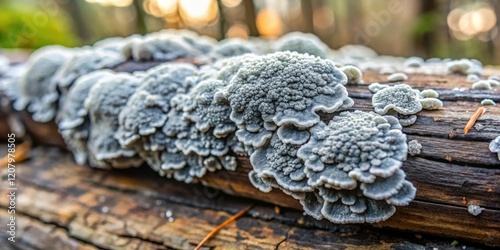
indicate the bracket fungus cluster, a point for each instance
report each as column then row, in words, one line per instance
column 185, row 121
column 403, row 101
column 495, row 146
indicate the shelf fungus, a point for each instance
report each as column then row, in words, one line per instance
column 429, row 93
column 397, row 77
column 302, row 43
column 375, row 87
column 278, row 161
column 462, row 66
column 166, row 45
column 147, row 108
column 283, row 88
column 38, row 90
column 103, row 104
column 488, row 102
column 84, row 61
column 355, row 162
column 401, row 100
column 233, row 47
column 482, row 85
column 184, row 121
column 431, row 103
column 354, row 75
column 495, row 146
column 73, row 121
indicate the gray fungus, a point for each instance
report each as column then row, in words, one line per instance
column 184, row 121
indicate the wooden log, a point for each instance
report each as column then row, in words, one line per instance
column 453, row 170
column 61, row 205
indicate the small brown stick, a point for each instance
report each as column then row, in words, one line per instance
column 21, row 154
column 221, row 226
column 473, row 119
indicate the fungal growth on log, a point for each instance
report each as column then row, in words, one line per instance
column 84, row 61
column 414, row 147
column 233, row 47
column 229, row 99
column 38, row 86
column 482, row 85
column 302, row 43
column 283, row 88
column 354, row 75
column 397, row 77
column 104, row 102
column 166, row 46
column 355, row 163
column 375, row 87
column 495, row 146
column 488, row 102
column 73, row 121
column 399, row 99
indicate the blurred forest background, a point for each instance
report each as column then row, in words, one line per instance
column 427, row 28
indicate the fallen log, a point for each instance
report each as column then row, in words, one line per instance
column 61, row 205
column 453, row 171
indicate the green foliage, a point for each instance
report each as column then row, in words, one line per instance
column 31, row 27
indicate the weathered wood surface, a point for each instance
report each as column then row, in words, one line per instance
column 453, row 170
column 64, row 206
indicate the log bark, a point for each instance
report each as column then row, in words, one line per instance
column 453, row 170
column 61, row 205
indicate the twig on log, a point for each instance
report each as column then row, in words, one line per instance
column 473, row 119
column 221, row 226
column 21, row 154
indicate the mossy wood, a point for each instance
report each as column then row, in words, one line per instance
column 453, row 170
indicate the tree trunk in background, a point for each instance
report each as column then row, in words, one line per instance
column 307, row 16
column 250, row 17
column 496, row 41
column 140, row 25
column 426, row 40
column 73, row 9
